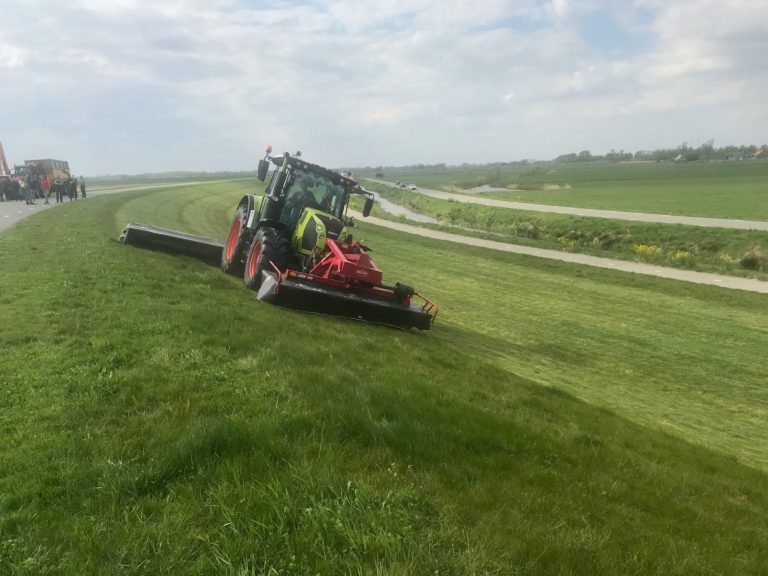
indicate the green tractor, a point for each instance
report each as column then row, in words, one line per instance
column 294, row 247
column 302, row 206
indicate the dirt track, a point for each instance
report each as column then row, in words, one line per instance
column 612, row 214
column 621, row 265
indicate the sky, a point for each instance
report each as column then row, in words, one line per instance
column 134, row 86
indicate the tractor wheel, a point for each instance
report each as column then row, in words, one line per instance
column 269, row 245
column 232, row 255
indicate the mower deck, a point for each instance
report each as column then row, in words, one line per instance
column 297, row 294
column 319, row 292
column 154, row 238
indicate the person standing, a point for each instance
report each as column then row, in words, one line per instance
column 58, row 187
column 33, row 185
column 25, row 190
column 82, row 186
column 45, row 188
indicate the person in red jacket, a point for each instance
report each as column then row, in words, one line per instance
column 45, row 188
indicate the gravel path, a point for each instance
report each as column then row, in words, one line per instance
column 612, row 214
column 732, row 282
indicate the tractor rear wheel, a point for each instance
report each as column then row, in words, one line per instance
column 232, row 255
column 269, row 245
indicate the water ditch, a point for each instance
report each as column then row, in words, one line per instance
column 396, row 210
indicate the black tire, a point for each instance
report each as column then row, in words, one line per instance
column 233, row 254
column 269, row 245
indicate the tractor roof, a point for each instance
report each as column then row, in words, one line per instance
column 299, row 164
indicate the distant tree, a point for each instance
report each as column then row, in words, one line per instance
column 614, row 156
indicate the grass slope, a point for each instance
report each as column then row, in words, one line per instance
column 156, row 419
column 715, row 189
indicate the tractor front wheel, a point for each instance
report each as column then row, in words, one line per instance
column 269, row 245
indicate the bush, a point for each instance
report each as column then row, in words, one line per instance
column 683, row 258
column 753, row 259
column 646, row 251
column 606, row 240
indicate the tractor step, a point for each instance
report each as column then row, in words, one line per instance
column 154, row 238
column 331, row 301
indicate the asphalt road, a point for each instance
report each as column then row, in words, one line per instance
column 612, row 214
column 732, row 282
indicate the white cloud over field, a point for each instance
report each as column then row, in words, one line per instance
column 130, row 85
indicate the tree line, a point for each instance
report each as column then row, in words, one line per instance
column 683, row 153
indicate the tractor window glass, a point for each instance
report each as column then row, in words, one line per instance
column 315, row 191
column 271, row 180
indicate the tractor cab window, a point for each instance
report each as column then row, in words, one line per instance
column 332, row 199
column 311, row 191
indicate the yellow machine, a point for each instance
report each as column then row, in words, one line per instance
column 51, row 169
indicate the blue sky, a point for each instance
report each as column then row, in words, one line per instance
column 126, row 86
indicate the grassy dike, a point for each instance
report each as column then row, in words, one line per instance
column 719, row 250
column 156, row 419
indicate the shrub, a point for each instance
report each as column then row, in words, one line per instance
column 646, row 250
column 532, row 230
column 683, row 258
column 567, row 244
column 606, row 240
column 753, row 259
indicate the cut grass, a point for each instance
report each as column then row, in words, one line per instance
column 158, row 420
column 716, row 250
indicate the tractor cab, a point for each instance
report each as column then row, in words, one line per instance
column 297, row 184
column 313, row 191
column 306, row 202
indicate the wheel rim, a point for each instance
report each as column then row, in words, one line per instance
column 253, row 259
column 234, row 234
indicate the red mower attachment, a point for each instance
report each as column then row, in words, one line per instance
column 346, row 282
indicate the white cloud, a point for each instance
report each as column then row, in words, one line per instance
column 12, row 56
column 395, row 81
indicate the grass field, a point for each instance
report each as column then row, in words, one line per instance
column 733, row 252
column 737, row 189
column 157, row 419
column 107, row 182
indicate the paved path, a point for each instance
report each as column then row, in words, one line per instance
column 612, row 214
column 621, row 265
column 13, row 211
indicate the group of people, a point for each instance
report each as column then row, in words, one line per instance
column 31, row 187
